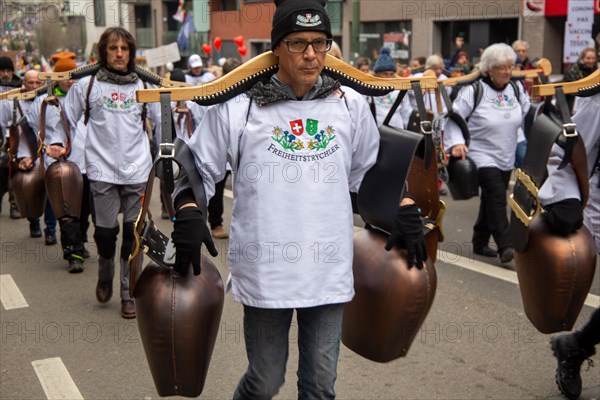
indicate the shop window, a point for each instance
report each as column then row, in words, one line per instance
column 396, row 35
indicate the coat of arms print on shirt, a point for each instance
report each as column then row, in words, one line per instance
column 303, row 135
column 120, row 102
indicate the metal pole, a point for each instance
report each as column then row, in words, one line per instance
column 355, row 44
column 119, row 12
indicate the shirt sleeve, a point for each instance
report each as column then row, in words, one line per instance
column 75, row 102
column 365, row 143
column 33, row 115
column 463, row 106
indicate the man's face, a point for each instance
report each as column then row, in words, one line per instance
column 300, row 70
column 196, row 71
column 66, row 85
column 522, row 52
column 30, row 81
column 117, row 54
column 6, row 74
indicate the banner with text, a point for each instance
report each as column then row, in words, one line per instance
column 578, row 29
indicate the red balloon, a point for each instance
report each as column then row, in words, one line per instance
column 217, row 43
column 206, row 48
column 239, row 40
column 242, row 50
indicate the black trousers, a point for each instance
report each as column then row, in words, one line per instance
column 84, row 216
column 589, row 335
column 70, row 238
column 215, row 205
column 492, row 219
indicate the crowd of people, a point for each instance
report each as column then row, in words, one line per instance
column 299, row 109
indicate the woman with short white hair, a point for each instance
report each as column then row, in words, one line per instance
column 493, row 124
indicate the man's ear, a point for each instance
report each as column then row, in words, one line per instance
column 276, row 51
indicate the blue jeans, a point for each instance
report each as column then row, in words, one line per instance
column 49, row 219
column 266, row 332
column 520, row 154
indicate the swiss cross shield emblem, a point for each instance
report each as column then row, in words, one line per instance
column 114, row 96
column 312, row 126
column 297, row 127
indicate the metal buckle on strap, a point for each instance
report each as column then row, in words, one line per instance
column 158, row 246
column 137, row 245
column 526, row 181
column 430, row 224
column 426, row 127
column 570, row 130
column 166, row 150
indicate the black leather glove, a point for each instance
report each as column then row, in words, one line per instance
column 564, row 217
column 189, row 232
column 408, row 233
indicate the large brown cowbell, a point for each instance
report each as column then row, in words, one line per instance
column 391, row 301
column 64, row 185
column 30, row 193
column 178, row 320
column 555, row 274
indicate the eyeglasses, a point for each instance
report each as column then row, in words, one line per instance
column 300, row 46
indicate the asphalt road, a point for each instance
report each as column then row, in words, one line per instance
column 475, row 343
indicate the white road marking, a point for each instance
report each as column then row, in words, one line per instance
column 591, row 300
column 493, row 271
column 10, row 295
column 55, row 379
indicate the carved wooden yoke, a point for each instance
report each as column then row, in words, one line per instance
column 263, row 66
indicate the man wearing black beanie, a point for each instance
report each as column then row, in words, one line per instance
column 8, row 80
column 297, row 145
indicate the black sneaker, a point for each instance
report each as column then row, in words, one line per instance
column 35, row 231
column 75, row 266
column 50, row 238
column 485, row 251
column 570, row 357
column 506, row 255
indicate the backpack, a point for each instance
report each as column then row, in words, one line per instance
column 478, row 94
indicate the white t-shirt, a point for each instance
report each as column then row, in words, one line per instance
column 294, row 163
column 117, row 149
column 493, row 125
column 199, row 80
column 383, row 105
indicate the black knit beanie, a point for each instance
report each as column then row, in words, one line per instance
column 297, row 16
column 6, row 63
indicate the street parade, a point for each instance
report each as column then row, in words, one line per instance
column 299, row 199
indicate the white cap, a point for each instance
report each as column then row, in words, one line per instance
column 195, row 61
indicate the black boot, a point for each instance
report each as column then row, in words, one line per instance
column 570, row 356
